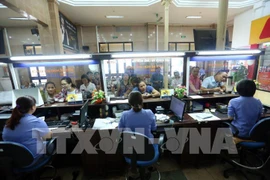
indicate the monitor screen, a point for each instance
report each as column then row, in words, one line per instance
column 205, row 39
column 178, row 107
column 83, row 113
column 263, row 96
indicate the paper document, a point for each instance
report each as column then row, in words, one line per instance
column 107, row 123
column 196, row 97
column 119, row 101
column 203, row 116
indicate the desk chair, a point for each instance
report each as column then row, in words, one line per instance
column 141, row 153
column 17, row 161
column 253, row 154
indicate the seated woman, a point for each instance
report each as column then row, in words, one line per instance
column 87, row 86
column 124, row 87
column 67, row 88
column 49, row 92
column 245, row 110
column 146, row 91
column 138, row 119
column 26, row 129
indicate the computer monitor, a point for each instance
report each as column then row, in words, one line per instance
column 34, row 92
column 83, row 114
column 263, row 96
column 178, row 107
column 205, row 39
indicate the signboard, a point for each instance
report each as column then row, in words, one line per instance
column 260, row 30
column 264, row 80
column 69, row 33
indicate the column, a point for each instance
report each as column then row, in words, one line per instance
column 221, row 24
column 166, row 4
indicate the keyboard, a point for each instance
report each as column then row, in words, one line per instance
column 57, row 123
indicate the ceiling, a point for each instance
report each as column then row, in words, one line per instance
column 93, row 12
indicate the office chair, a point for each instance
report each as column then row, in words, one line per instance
column 141, row 153
column 254, row 154
column 17, row 161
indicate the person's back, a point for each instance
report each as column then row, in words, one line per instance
column 26, row 133
column 246, row 110
column 142, row 122
column 137, row 119
column 26, row 129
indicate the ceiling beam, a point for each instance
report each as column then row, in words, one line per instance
column 23, row 13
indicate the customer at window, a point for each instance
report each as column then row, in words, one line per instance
column 26, row 129
column 124, row 87
column 146, row 91
column 215, row 83
column 138, row 119
column 67, row 88
column 157, row 79
column 194, row 80
column 87, row 86
column 176, row 80
column 245, row 110
column 49, row 92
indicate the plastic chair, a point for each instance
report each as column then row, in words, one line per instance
column 17, row 161
column 140, row 153
column 253, row 154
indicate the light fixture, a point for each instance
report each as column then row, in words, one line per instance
column 114, row 16
column 193, row 17
column 52, row 57
column 19, row 18
column 157, row 54
column 228, row 52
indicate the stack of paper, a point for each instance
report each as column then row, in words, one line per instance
column 105, row 123
column 203, row 116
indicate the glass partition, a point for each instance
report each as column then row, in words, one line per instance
column 208, row 76
column 123, row 75
column 35, row 74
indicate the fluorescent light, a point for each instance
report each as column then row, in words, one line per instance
column 228, row 52
column 158, row 54
column 114, row 16
column 19, row 18
column 193, row 17
column 53, row 57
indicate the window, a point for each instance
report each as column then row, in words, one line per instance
column 116, row 47
column 181, row 46
column 32, row 49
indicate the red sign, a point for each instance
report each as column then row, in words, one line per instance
column 264, row 80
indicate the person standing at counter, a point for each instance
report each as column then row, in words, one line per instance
column 215, row 83
column 245, row 110
column 26, row 129
column 177, row 80
column 146, row 91
column 194, row 80
column 49, row 92
column 157, row 79
column 87, row 87
column 67, row 88
column 125, row 86
column 138, row 119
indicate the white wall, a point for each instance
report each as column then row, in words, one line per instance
column 241, row 29
column 242, row 23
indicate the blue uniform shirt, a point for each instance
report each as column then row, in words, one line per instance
column 142, row 122
column 28, row 132
column 246, row 111
column 210, row 83
column 149, row 89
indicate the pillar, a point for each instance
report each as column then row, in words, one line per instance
column 221, row 24
column 166, row 4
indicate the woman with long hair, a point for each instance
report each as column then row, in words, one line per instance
column 67, row 88
column 138, row 119
column 26, row 129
